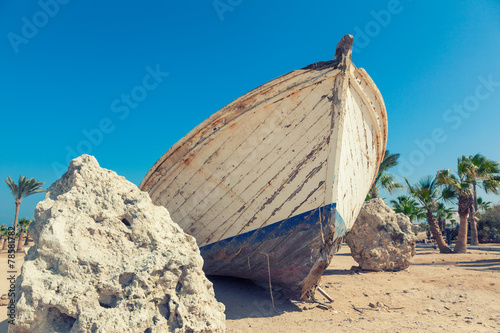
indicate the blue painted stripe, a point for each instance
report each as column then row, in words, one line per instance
column 241, row 245
column 340, row 227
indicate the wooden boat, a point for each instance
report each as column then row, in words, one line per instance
column 269, row 184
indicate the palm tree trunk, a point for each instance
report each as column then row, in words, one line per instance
column 27, row 238
column 4, row 245
column 440, row 224
column 475, row 196
column 463, row 212
column 20, row 242
column 436, row 234
column 473, row 227
column 18, row 203
column 474, row 240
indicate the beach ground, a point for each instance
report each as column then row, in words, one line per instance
column 458, row 292
column 439, row 292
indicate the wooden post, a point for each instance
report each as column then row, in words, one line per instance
column 322, row 292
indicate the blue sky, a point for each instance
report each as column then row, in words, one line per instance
column 124, row 80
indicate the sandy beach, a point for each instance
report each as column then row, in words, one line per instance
column 437, row 293
column 5, row 284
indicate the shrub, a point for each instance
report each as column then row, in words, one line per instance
column 489, row 223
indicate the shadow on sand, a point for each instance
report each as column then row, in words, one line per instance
column 341, row 272
column 481, row 265
column 244, row 299
column 4, row 326
column 476, row 265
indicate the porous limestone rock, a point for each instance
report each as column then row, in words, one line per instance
column 106, row 259
column 380, row 239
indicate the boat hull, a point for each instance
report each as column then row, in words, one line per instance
column 295, row 245
column 269, row 184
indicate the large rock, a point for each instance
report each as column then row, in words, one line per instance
column 381, row 240
column 107, row 260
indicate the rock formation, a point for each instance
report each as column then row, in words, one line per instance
column 381, row 240
column 106, row 259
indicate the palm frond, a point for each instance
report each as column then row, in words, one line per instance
column 465, row 168
column 426, row 191
column 481, row 170
column 12, row 186
column 409, row 207
column 24, row 223
column 491, row 186
column 389, row 161
column 448, row 194
column 384, row 179
column 389, row 182
column 24, row 187
column 483, row 205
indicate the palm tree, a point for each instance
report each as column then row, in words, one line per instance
column 485, row 174
column 482, row 173
column 4, row 233
column 461, row 187
column 426, row 191
column 27, row 231
column 24, row 188
column 409, row 207
column 23, row 228
column 443, row 213
column 385, row 180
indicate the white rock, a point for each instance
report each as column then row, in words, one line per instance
column 381, row 239
column 106, row 259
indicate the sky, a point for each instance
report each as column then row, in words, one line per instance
column 125, row 80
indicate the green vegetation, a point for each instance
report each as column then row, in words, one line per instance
column 409, row 207
column 461, row 191
column 472, row 172
column 489, row 223
column 24, row 188
column 483, row 205
column 428, row 197
column 444, row 213
column 482, row 173
column 427, row 193
column 4, row 233
column 23, row 229
column 385, row 180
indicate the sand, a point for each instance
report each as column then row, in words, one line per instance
column 5, row 284
column 458, row 292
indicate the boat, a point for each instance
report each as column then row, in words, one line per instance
column 270, row 184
